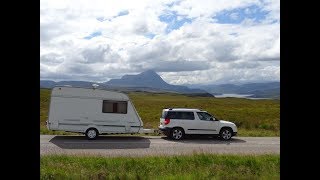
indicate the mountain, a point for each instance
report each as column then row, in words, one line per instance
column 145, row 79
column 151, row 79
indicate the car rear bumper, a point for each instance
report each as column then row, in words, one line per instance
column 48, row 125
column 234, row 133
column 164, row 129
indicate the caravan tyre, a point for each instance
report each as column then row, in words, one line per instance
column 92, row 133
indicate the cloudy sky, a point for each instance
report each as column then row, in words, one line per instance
column 184, row 41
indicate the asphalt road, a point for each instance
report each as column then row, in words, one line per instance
column 155, row 145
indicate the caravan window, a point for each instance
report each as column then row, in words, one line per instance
column 114, row 107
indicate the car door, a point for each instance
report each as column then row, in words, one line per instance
column 188, row 121
column 206, row 123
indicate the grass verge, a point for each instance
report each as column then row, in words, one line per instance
column 197, row 166
column 253, row 117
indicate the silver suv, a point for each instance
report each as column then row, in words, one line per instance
column 177, row 122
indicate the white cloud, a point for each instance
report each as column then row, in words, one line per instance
column 199, row 52
column 273, row 6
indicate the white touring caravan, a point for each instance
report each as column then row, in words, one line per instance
column 92, row 112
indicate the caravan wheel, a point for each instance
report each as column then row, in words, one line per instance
column 92, row 133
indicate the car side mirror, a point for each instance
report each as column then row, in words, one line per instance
column 214, row 119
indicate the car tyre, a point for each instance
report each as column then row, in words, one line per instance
column 225, row 133
column 177, row 134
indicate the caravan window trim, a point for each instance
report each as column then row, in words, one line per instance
column 115, row 106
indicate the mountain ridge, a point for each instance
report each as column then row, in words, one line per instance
column 150, row 81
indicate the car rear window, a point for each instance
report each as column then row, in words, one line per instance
column 180, row 115
column 164, row 114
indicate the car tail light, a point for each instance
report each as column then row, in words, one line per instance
column 166, row 121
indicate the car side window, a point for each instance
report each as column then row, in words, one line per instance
column 180, row 115
column 204, row 116
column 187, row 115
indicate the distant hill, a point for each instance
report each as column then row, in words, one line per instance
column 47, row 84
column 84, row 84
column 258, row 90
column 270, row 93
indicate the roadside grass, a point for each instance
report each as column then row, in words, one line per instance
column 253, row 117
column 257, row 133
column 197, row 166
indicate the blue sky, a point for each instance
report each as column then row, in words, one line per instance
column 236, row 16
column 92, row 35
column 172, row 21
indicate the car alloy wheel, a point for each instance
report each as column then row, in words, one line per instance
column 177, row 134
column 226, row 134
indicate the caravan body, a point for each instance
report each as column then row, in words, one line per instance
column 81, row 109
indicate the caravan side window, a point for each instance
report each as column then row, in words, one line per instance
column 114, row 107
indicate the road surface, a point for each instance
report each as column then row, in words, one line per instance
column 155, row 145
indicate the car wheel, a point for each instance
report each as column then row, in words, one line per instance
column 226, row 133
column 177, row 134
column 92, row 133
